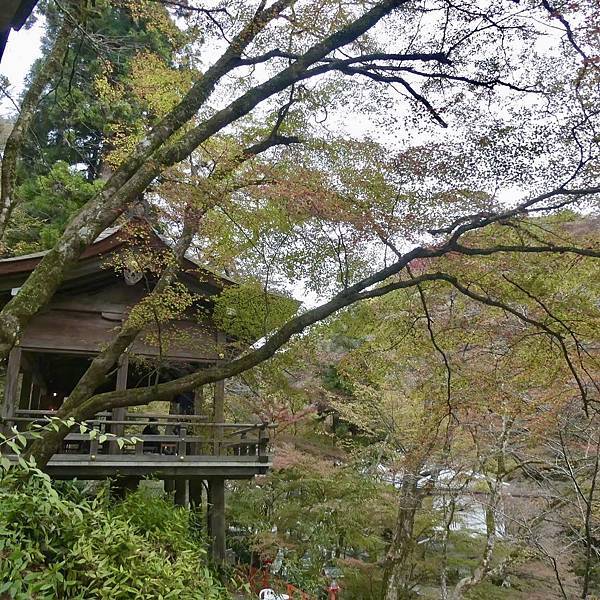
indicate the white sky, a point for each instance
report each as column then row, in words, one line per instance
column 22, row 49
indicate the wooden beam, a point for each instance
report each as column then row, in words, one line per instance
column 218, row 414
column 182, row 493
column 195, row 493
column 216, row 515
column 25, row 395
column 119, row 414
column 9, row 405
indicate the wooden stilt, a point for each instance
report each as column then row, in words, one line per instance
column 195, row 493
column 125, row 485
column 119, row 414
column 182, row 493
column 217, row 518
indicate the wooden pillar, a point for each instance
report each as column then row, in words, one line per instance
column 182, row 493
column 123, row 485
column 169, row 485
column 195, row 493
column 11, row 387
column 218, row 414
column 118, row 414
column 216, row 518
column 26, row 386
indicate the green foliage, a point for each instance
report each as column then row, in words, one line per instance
column 334, row 380
column 75, row 547
column 315, row 514
column 75, row 122
column 55, row 542
column 47, row 204
column 248, row 312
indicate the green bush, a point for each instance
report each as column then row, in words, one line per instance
column 61, row 544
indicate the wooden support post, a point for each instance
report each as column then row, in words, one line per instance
column 11, row 387
column 182, row 493
column 263, row 444
column 25, row 395
column 124, row 485
column 182, row 444
column 169, row 485
column 94, row 447
column 195, row 493
column 216, row 515
column 218, row 414
column 119, row 414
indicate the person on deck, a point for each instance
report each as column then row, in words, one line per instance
column 185, row 402
column 151, row 429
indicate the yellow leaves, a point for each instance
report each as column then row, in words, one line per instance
column 154, row 85
column 107, row 91
column 160, row 308
column 157, row 84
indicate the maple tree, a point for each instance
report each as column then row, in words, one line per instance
column 345, row 217
column 453, row 392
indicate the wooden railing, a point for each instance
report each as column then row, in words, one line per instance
column 184, row 436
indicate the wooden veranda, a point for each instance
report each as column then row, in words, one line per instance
column 192, row 448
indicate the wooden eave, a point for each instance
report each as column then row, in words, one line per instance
column 15, row 270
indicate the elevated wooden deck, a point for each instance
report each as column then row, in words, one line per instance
column 189, row 448
column 69, row 466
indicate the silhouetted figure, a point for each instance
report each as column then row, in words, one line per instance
column 186, row 403
column 151, row 429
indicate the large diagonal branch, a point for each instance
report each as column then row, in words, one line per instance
column 335, row 63
column 104, row 361
column 139, row 171
column 370, row 287
column 361, row 290
column 533, row 204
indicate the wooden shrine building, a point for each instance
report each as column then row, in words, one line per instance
column 190, row 445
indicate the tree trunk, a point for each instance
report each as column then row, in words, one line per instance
column 397, row 572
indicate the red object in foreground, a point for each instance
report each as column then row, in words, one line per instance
column 333, row 590
column 261, row 578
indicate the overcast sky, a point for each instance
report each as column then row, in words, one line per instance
column 22, row 49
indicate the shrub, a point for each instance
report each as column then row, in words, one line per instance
column 65, row 545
